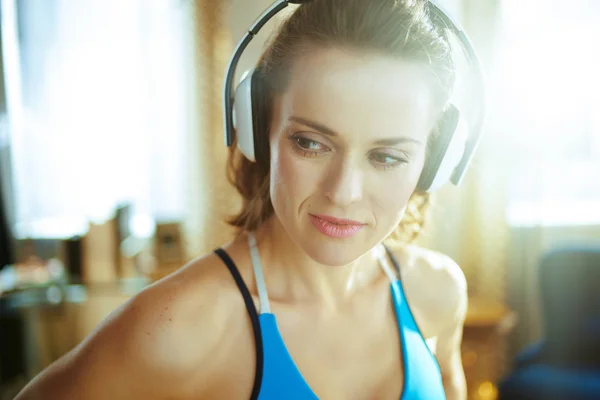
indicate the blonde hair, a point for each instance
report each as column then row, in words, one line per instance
column 399, row 28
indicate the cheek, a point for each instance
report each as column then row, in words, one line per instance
column 391, row 201
column 290, row 179
column 392, row 195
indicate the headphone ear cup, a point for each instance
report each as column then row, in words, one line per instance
column 243, row 119
column 446, row 151
column 261, row 103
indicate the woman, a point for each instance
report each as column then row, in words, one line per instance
column 350, row 94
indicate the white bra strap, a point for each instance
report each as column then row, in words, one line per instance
column 258, row 275
column 385, row 264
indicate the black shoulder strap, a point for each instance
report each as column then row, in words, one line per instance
column 253, row 318
column 394, row 261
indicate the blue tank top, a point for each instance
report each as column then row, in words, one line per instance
column 278, row 377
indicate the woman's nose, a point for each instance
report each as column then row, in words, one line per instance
column 345, row 183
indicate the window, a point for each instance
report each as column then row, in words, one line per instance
column 547, row 84
column 99, row 100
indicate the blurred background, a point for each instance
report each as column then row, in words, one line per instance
column 112, row 170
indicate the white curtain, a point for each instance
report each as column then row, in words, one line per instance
column 101, row 110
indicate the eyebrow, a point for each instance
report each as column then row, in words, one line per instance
column 330, row 132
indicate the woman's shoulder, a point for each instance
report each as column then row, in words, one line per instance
column 435, row 265
column 192, row 320
column 155, row 344
column 183, row 316
column 435, row 284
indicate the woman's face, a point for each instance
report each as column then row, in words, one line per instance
column 348, row 141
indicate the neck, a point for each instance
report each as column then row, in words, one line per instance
column 293, row 276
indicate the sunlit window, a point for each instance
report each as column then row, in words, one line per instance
column 547, row 83
column 99, row 109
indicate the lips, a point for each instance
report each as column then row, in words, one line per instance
column 338, row 221
column 336, row 227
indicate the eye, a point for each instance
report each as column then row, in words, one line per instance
column 308, row 147
column 308, row 144
column 385, row 160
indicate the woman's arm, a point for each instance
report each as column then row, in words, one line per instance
column 149, row 348
column 107, row 364
column 440, row 310
column 450, row 337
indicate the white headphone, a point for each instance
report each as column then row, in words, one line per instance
column 454, row 144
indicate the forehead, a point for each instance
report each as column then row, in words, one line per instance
column 357, row 92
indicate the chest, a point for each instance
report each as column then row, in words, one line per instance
column 350, row 356
column 356, row 354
